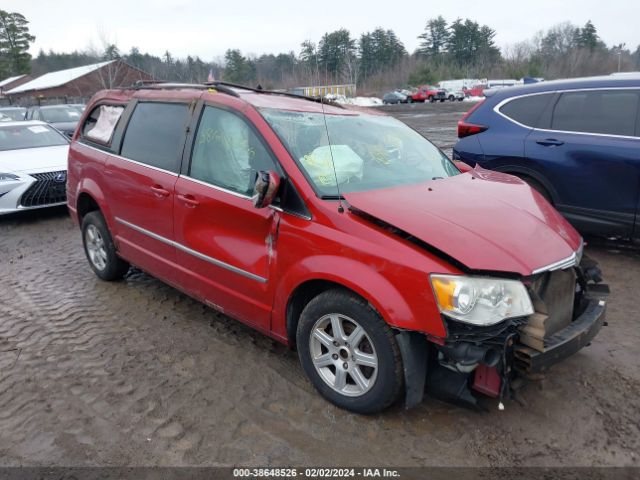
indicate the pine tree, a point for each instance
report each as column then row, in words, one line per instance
column 238, row 69
column 588, row 36
column 336, row 53
column 379, row 50
column 14, row 44
column 470, row 43
column 111, row 52
column 435, row 37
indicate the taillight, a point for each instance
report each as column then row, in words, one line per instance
column 466, row 128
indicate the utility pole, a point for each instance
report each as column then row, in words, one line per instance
column 620, row 47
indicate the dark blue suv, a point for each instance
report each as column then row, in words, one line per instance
column 575, row 141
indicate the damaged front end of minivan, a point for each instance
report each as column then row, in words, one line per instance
column 568, row 311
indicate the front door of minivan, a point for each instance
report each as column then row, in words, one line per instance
column 141, row 184
column 225, row 245
column 590, row 153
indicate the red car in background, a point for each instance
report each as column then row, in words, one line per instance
column 426, row 93
column 385, row 266
column 475, row 91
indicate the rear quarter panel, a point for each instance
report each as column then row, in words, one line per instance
column 502, row 144
column 85, row 175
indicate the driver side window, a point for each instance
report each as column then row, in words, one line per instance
column 227, row 153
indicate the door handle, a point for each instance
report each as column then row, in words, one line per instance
column 159, row 191
column 189, row 200
column 550, row 142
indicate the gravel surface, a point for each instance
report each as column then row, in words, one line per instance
column 136, row 373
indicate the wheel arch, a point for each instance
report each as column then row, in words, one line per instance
column 300, row 297
column 520, row 172
column 90, row 198
column 381, row 294
column 85, row 204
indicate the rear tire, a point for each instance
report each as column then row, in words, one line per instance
column 432, row 99
column 349, row 352
column 100, row 249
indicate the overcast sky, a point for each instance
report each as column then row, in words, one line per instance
column 208, row 29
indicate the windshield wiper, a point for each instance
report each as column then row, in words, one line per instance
column 331, row 197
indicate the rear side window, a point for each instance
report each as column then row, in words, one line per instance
column 526, row 110
column 611, row 112
column 101, row 123
column 155, row 133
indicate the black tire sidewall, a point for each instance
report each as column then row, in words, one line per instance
column 389, row 375
column 116, row 267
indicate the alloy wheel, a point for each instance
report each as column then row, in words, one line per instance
column 343, row 355
column 96, row 247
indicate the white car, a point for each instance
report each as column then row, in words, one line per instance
column 455, row 94
column 33, row 166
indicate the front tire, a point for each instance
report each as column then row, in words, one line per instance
column 349, row 352
column 100, row 249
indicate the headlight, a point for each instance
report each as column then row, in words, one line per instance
column 480, row 301
column 6, row 177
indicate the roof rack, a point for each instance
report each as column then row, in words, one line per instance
column 160, row 85
column 259, row 89
column 223, row 87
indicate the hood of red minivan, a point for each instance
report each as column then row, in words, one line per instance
column 485, row 220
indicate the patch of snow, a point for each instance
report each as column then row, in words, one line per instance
column 473, row 99
column 357, row 101
column 55, row 79
column 7, row 81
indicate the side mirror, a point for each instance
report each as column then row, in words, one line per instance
column 265, row 188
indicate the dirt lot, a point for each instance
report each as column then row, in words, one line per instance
column 136, row 373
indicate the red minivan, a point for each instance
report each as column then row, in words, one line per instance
column 341, row 232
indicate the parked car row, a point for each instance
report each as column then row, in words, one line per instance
column 63, row 117
column 423, row 93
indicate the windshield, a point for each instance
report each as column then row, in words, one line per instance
column 60, row 114
column 369, row 152
column 14, row 113
column 29, row 136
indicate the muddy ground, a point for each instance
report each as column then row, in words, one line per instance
column 136, row 373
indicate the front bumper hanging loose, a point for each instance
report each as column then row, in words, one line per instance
column 565, row 342
column 466, row 360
